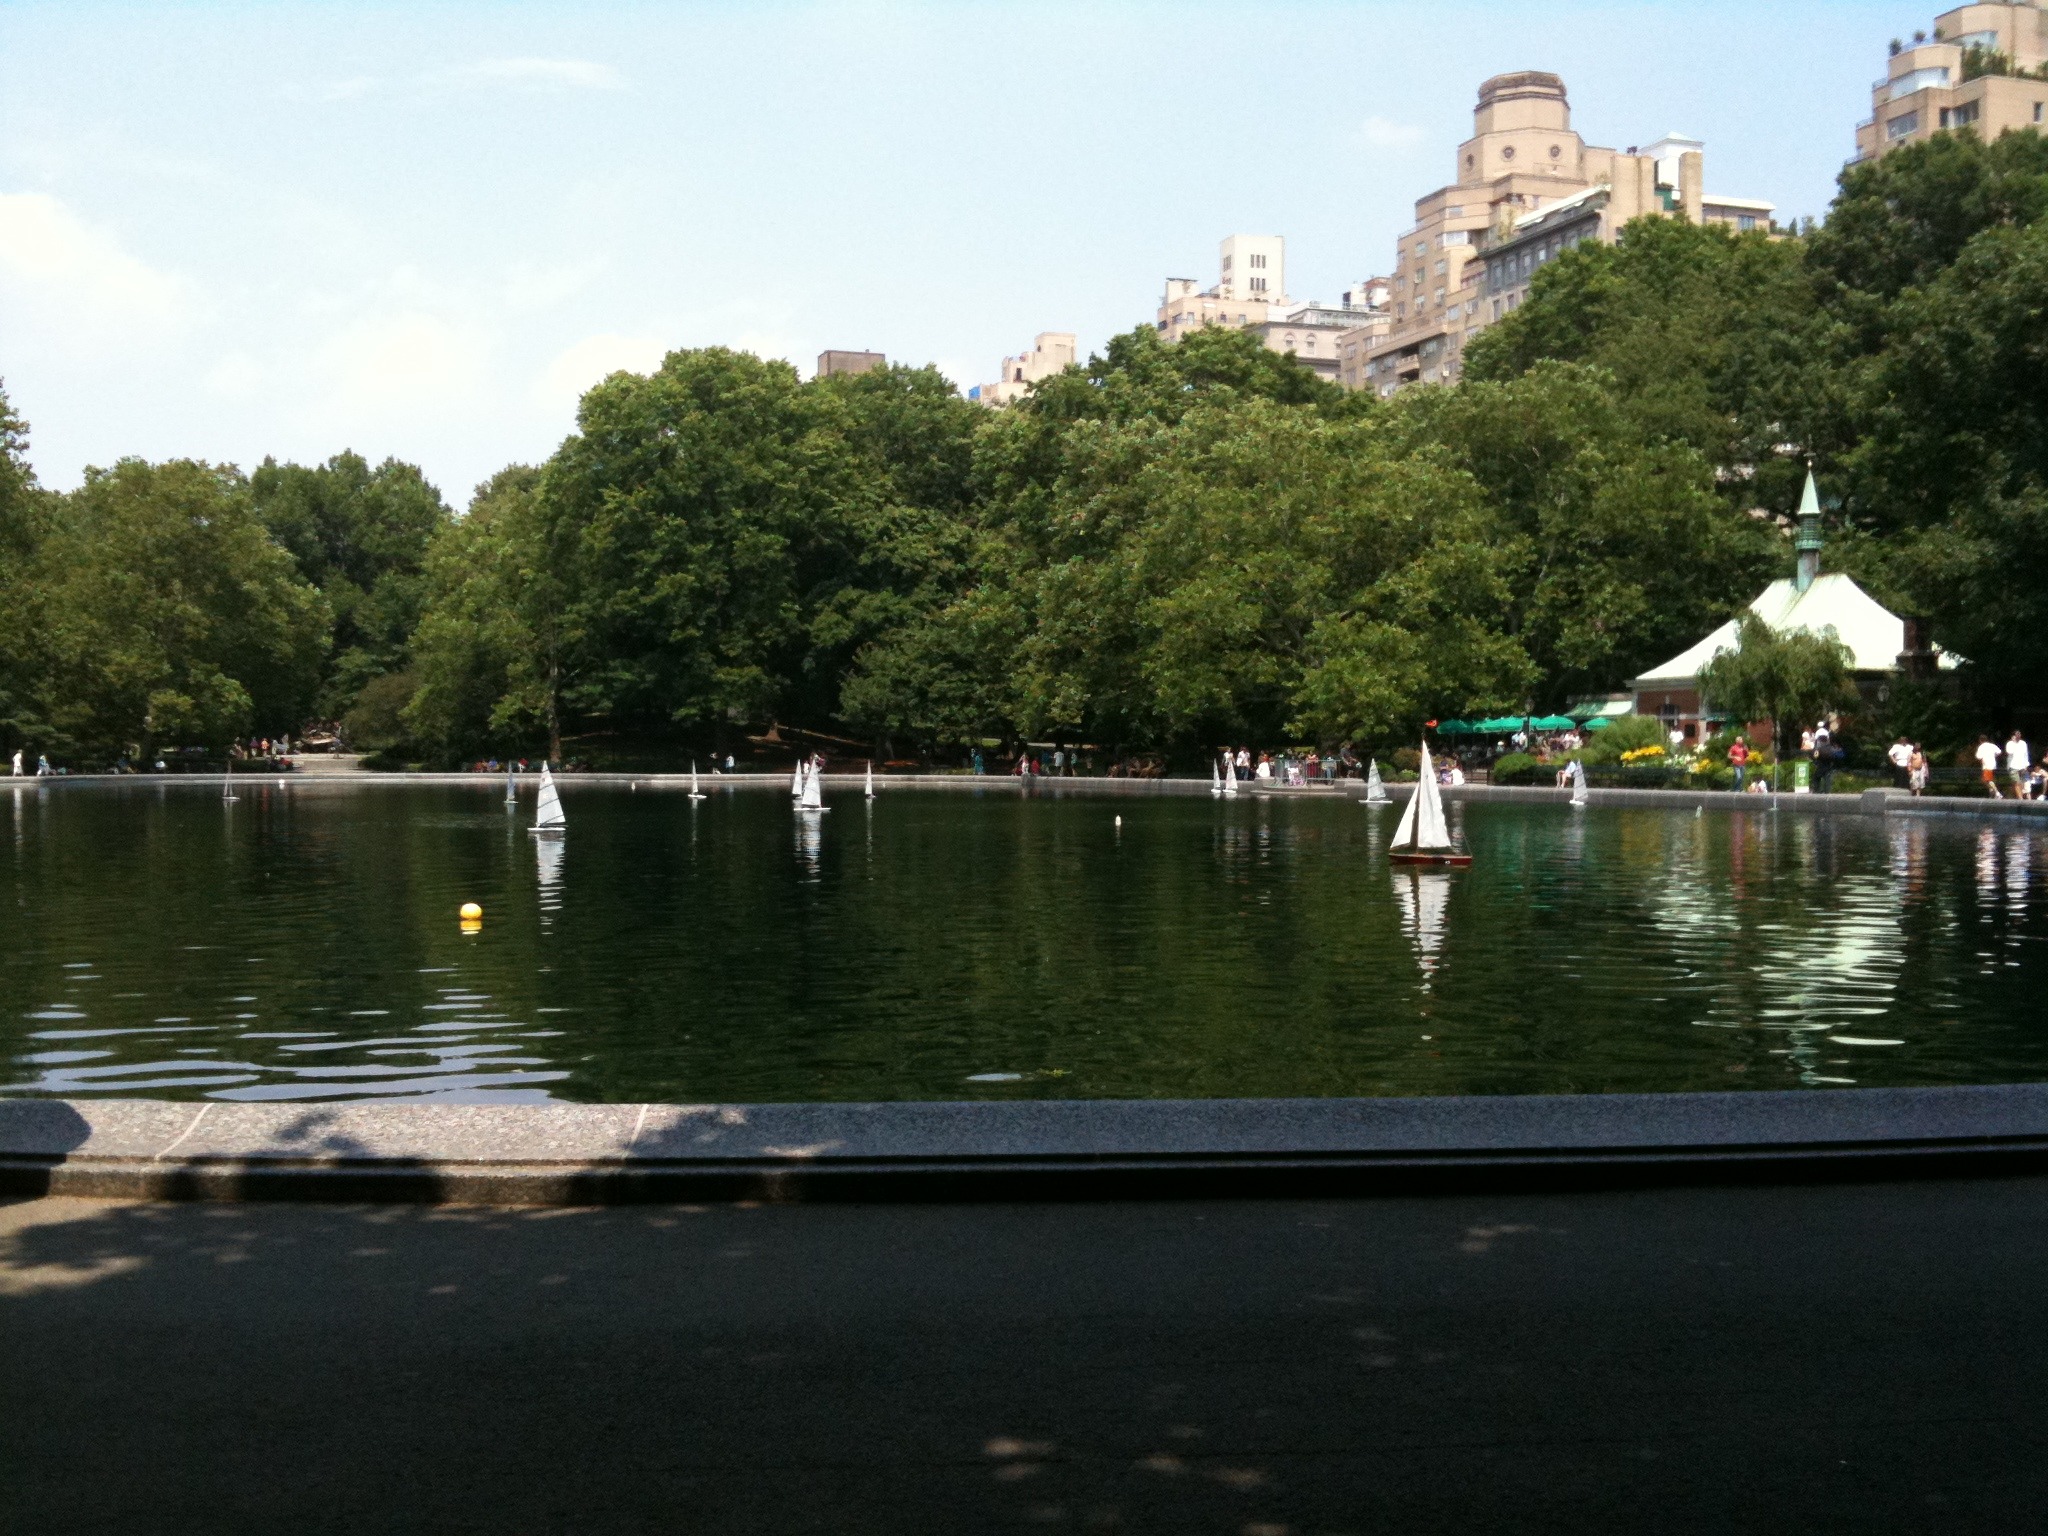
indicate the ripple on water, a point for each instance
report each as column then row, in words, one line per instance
column 1258, row 949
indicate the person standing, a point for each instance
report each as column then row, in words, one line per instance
column 1916, row 772
column 1900, row 756
column 17, row 762
column 1823, row 758
column 2017, row 761
column 1987, row 762
column 1738, row 759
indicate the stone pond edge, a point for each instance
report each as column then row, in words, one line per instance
column 571, row 1154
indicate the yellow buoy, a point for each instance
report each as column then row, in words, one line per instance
column 471, row 912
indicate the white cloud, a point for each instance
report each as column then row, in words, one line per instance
column 1383, row 133
column 539, row 75
column 577, row 367
column 405, row 365
column 66, row 265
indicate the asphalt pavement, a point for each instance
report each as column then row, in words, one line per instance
column 1846, row 1358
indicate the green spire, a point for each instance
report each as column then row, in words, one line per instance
column 1806, row 545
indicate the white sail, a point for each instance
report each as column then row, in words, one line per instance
column 1578, row 777
column 1432, row 835
column 1422, row 822
column 796, row 785
column 1375, row 786
column 1404, row 834
column 1215, row 780
column 511, row 787
column 548, row 817
column 811, row 799
column 871, row 779
column 1229, row 774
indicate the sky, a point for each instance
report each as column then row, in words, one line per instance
column 236, row 230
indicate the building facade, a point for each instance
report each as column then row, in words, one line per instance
column 1051, row 352
column 1250, row 294
column 830, row 363
column 1527, row 187
column 1970, row 74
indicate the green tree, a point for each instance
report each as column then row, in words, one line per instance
column 1708, row 338
column 361, row 536
column 170, row 615
column 23, row 527
column 488, row 657
column 1784, row 677
column 1614, row 551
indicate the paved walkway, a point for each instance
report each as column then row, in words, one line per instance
column 1779, row 1359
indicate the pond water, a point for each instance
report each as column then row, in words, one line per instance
column 303, row 943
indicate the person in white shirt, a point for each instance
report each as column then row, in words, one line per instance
column 17, row 762
column 1987, row 759
column 2017, row 761
column 1900, row 756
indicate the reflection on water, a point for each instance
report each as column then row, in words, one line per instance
column 1424, row 896
column 305, row 945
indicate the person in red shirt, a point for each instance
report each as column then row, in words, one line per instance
column 1738, row 759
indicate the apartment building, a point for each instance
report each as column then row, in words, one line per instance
column 1051, row 352
column 1251, row 284
column 834, row 362
column 1528, row 188
column 1250, row 294
column 1972, row 73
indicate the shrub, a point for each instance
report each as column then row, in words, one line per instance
column 1625, row 735
column 1521, row 768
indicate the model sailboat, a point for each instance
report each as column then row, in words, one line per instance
column 1423, row 836
column 1216, row 778
column 810, row 800
column 1375, row 786
column 871, row 779
column 695, row 792
column 1229, row 774
column 548, row 820
column 796, row 785
column 1577, row 771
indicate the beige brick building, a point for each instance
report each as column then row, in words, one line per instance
column 1051, row 352
column 1528, row 188
column 1250, row 293
column 1970, row 74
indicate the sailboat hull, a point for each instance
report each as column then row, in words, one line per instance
column 1415, row 856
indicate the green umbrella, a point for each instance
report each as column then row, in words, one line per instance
column 1553, row 723
column 1453, row 728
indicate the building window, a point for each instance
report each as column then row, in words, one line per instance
column 2037, row 111
column 1259, row 261
column 1258, row 285
column 1745, row 222
column 1507, row 152
column 1902, row 125
column 1959, row 116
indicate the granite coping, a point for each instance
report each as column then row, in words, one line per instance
column 568, row 1153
